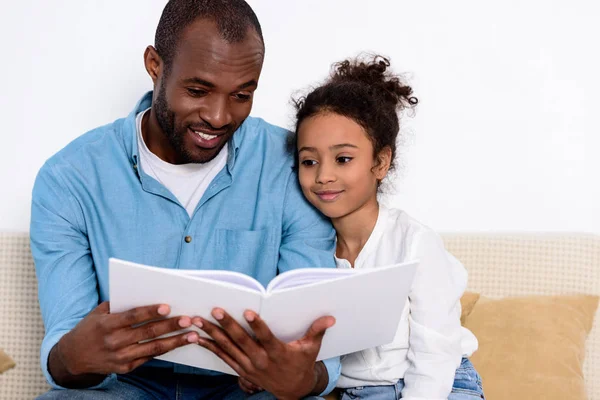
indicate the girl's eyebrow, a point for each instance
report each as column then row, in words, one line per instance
column 306, row 148
column 334, row 147
column 338, row 146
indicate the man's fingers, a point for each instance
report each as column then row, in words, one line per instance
column 156, row 347
column 248, row 386
column 314, row 335
column 238, row 335
column 152, row 330
column 212, row 346
column 103, row 308
column 263, row 333
column 245, row 385
column 224, row 343
column 139, row 315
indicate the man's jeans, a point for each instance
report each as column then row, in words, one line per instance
column 147, row 383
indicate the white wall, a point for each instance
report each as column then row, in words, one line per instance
column 505, row 137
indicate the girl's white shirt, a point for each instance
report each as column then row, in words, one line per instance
column 430, row 341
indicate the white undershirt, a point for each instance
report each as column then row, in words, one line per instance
column 430, row 341
column 187, row 182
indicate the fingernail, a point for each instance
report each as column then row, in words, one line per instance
column 218, row 314
column 163, row 310
column 185, row 322
column 198, row 322
column 192, row 338
column 249, row 316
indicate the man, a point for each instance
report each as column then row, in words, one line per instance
column 187, row 181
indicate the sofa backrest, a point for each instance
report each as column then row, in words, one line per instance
column 21, row 328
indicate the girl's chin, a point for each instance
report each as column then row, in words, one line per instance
column 333, row 212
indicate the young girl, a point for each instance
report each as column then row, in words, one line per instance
column 346, row 143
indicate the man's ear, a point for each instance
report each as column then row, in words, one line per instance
column 153, row 63
column 384, row 161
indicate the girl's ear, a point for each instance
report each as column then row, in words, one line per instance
column 384, row 161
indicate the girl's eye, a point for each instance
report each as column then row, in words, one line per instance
column 196, row 92
column 343, row 160
column 308, row 163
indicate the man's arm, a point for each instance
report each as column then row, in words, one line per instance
column 66, row 276
column 84, row 344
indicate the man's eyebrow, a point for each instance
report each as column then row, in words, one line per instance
column 199, row 81
column 248, row 84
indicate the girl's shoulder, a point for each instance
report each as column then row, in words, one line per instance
column 400, row 220
column 411, row 233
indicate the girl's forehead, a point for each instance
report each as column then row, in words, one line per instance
column 331, row 129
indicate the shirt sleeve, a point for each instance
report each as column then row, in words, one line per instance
column 435, row 331
column 308, row 240
column 64, row 267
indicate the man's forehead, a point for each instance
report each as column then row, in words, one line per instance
column 202, row 41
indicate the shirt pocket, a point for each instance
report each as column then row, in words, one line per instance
column 246, row 251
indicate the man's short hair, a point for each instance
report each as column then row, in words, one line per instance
column 232, row 17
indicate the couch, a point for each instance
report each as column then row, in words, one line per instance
column 498, row 265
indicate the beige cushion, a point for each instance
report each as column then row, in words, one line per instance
column 6, row 362
column 536, row 264
column 467, row 303
column 532, row 347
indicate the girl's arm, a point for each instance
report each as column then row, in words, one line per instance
column 435, row 331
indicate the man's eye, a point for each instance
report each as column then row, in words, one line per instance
column 197, row 92
column 243, row 96
column 343, row 160
column 308, row 163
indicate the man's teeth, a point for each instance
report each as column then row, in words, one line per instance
column 205, row 136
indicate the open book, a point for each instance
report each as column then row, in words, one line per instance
column 367, row 303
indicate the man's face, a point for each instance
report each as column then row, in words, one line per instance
column 207, row 93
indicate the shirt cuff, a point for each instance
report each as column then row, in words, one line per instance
column 334, row 368
column 47, row 345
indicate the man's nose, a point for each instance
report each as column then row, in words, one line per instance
column 217, row 113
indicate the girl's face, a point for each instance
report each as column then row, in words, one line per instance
column 337, row 171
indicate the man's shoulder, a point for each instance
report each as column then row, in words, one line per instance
column 258, row 134
column 87, row 148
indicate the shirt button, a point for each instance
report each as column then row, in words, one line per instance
column 188, row 239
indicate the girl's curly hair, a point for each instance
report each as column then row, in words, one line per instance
column 365, row 91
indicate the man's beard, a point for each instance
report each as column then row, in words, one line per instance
column 175, row 133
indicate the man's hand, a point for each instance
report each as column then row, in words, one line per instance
column 248, row 387
column 104, row 343
column 286, row 370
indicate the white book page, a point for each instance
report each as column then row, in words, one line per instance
column 367, row 306
column 235, row 278
column 305, row 276
column 133, row 285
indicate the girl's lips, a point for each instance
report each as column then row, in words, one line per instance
column 329, row 195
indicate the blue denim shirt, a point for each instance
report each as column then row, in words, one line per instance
column 92, row 202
